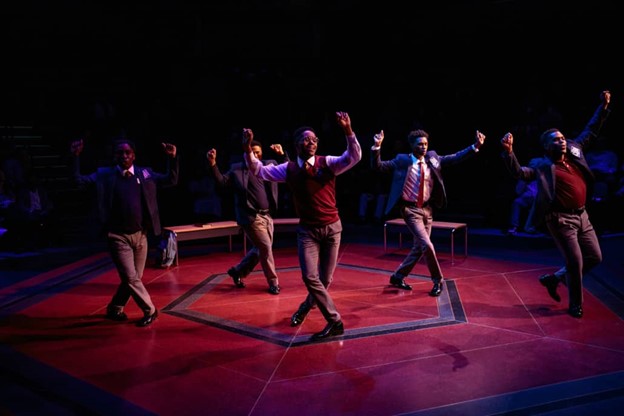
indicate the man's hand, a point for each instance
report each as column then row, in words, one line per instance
column 605, row 96
column 211, row 155
column 378, row 138
column 76, row 147
column 345, row 122
column 170, row 149
column 247, row 138
column 277, row 148
column 479, row 139
column 507, row 142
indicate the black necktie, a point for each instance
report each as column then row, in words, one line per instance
column 127, row 174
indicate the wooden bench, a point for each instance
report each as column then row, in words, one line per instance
column 398, row 224
column 201, row 231
column 223, row 229
column 280, row 225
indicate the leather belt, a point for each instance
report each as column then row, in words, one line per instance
column 262, row 211
column 413, row 204
column 574, row 211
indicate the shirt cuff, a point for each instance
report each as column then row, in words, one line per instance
column 475, row 148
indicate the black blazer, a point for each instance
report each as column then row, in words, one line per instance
column 237, row 178
column 543, row 169
column 104, row 181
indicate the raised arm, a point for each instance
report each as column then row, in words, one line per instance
column 511, row 162
column 213, row 169
column 479, row 140
column 274, row 173
column 353, row 154
column 282, row 155
column 170, row 149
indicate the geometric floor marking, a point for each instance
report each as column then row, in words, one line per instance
column 450, row 312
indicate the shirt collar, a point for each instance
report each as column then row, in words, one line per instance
column 415, row 159
column 130, row 169
column 301, row 162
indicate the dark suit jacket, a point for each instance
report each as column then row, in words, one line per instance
column 543, row 169
column 401, row 165
column 104, row 180
column 238, row 178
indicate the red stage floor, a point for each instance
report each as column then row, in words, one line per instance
column 493, row 343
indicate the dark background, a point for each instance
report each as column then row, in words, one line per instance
column 196, row 72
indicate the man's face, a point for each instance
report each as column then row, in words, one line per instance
column 257, row 151
column 419, row 146
column 557, row 145
column 307, row 145
column 124, row 155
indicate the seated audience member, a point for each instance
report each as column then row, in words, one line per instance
column 33, row 213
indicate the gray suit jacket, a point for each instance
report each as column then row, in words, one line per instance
column 237, row 178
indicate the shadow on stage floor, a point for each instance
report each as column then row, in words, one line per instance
column 493, row 343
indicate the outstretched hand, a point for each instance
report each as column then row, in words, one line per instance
column 345, row 122
column 378, row 138
column 479, row 139
column 247, row 138
column 507, row 142
column 277, row 148
column 211, row 155
column 169, row 148
column 76, row 147
column 605, row 96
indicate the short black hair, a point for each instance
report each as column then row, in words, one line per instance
column 545, row 137
column 256, row 143
column 298, row 134
column 417, row 133
column 119, row 141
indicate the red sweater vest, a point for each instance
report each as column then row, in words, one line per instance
column 314, row 196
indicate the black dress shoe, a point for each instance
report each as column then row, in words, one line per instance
column 148, row 319
column 299, row 316
column 116, row 316
column 576, row 311
column 331, row 329
column 236, row 278
column 550, row 281
column 274, row 289
column 436, row 290
column 400, row 283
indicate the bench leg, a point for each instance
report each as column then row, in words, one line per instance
column 453, row 246
column 385, row 238
column 177, row 251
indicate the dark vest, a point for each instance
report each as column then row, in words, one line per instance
column 314, row 196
